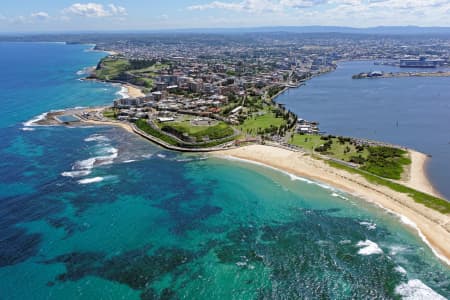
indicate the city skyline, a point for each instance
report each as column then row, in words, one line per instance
column 66, row 15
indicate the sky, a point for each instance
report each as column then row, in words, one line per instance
column 69, row 15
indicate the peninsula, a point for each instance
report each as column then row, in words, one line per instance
column 200, row 96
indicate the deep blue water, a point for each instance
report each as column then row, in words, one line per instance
column 414, row 112
column 97, row 213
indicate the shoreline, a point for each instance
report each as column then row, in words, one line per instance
column 418, row 175
column 427, row 184
column 433, row 227
column 132, row 91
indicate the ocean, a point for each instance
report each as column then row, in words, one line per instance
column 97, row 213
column 412, row 112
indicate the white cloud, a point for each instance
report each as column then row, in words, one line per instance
column 357, row 13
column 95, row 10
column 117, row 10
column 41, row 15
column 244, row 6
column 259, row 5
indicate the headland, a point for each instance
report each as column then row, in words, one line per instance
column 253, row 127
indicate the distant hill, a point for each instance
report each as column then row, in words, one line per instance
column 87, row 36
column 413, row 30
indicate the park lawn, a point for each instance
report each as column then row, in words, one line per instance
column 337, row 150
column 265, row 121
column 218, row 131
column 109, row 113
column 307, row 142
column 185, row 126
column 386, row 162
column 112, row 68
column 152, row 69
column 144, row 126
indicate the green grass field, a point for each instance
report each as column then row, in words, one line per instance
column 339, row 151
column 386, row 162
column 112, row 68
column 151, row 70
column 435, row 203
column 252, row 124
column 200, row 133
column 109, row 113
column 144, row 126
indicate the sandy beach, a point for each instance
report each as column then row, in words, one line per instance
column 133, row 91
column 432, row 226
column 417, row 174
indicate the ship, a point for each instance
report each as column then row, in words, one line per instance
column 419, row 63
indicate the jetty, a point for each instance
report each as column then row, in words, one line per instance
column 379, row 74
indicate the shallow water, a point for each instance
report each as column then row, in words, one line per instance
column 93, row 213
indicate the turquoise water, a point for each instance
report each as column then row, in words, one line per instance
column 413, row 112
column 96, row 213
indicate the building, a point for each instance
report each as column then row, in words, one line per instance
column 128, row 102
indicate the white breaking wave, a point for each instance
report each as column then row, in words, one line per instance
column 86, row 164
column 407, row 221
column 91, row 180
column 368, row 225
column 97, row 138
column 33, row 121
column 292, row 176
column 400, row 270
column 129, row 161
column 27, row 129
column 161, row 155
column 147, row 155
column 96, row 179
column 123, row 93
column 334, row 194
column 368, row 248
column 76, row 173
column 416, row 290
column 185, row 159
column 86, row 70
column 106, row 156
column 396, row 249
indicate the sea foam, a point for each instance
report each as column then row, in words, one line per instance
column 105, row 156
column 129, row 161
column 415, row 290
column 369, row 225
column 36, row 119
column 123, row 93
column 292, row 176
column 97, row 138
column 76, row 173
column 400, row 270
column 91, row 180
column 368, row 248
